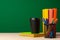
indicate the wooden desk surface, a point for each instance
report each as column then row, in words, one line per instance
column 15, row 36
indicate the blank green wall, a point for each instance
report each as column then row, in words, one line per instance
column 15, row 14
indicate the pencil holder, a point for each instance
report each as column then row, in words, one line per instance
column 50, row 31
column 35, row 25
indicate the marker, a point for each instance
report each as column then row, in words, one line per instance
column 47, row 21
column 53, row 21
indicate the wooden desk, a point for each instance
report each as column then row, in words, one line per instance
column 15, row 36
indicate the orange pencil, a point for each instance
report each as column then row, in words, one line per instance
column 50, row 13
column 55, row 13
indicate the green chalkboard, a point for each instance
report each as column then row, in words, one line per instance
column 15, row 14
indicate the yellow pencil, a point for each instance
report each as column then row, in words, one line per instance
column 45, row 16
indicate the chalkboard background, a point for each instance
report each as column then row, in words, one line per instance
column 15, row 14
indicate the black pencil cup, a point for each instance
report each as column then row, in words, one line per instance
column 35, row 25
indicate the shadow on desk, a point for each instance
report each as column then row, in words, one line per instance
column 58, row 35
